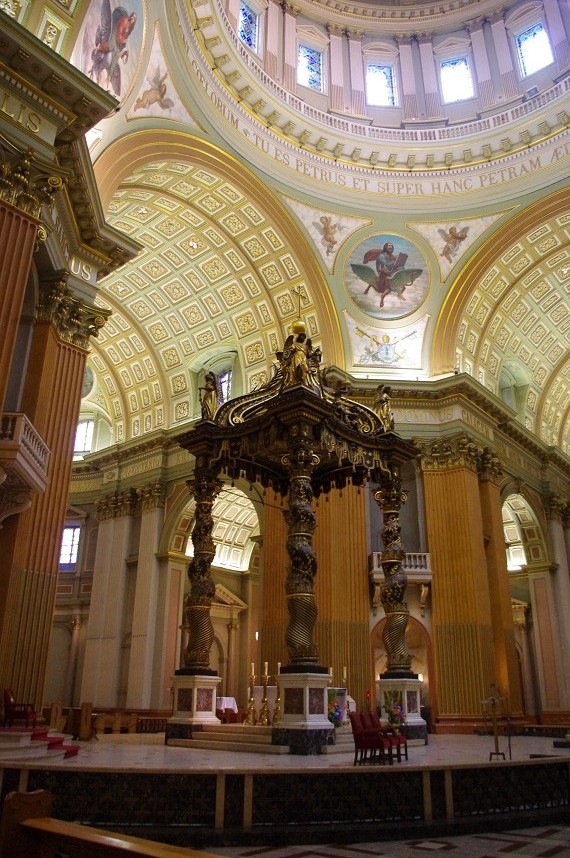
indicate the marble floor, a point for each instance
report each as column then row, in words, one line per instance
column 148, row 752
column 136, row 752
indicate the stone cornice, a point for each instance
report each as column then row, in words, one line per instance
column 382, row 166
column 75, row 102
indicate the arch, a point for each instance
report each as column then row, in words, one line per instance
column 416, row 632
column 453, row 309
column 125, row 155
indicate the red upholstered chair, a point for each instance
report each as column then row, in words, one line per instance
column 369, row 745
column 17, row 711
column 398, row 741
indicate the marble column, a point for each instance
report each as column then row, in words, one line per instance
column 557, row 33
column 482, row 69
column 503, row 53
column 106, row 626
column 357, row 83
column 30, row 542
column 462, row 625
column 149, row 597
column 431, row 87
column 272, row 39
column 409, row 93
column 336, row 96
column 290, row 47
column 555, row 509
column 507, row 675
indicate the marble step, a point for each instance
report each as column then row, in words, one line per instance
column 227, row 744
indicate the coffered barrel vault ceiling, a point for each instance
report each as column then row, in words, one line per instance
column 226, row 255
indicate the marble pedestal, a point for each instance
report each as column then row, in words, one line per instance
column 194, row 704
column 304, row 723
column 408, row 691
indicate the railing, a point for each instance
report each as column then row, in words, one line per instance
column 16, row 431
column 415, row 564
column 27, row 829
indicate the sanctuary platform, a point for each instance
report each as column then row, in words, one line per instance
column 201, row 797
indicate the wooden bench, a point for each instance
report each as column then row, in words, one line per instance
column 27, row 829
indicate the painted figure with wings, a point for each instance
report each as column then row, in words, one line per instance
column 452, row 238
column 156, row 94
column 111, row 46
column 391, row 275
column 327, row 229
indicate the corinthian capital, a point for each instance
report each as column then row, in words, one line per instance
column 152, row 496
column 457, row 452
column 556, row 507
column 26, row 187
column 74, row 320
column 490, row 467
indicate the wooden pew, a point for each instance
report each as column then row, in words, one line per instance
column 27, row 829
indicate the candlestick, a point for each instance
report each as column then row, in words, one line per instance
column 330, row 671
column 278, row 667
column 344, row 674
column 252, row 668
column 265, row 669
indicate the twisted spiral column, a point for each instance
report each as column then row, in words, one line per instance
column 390, row 498
column 197, row 604
column 299, row 585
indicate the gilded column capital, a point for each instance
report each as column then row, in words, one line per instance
column 152, row 496
column 447, row 453
column 490, row 467
column 289, row 9
column 74, row 320
column 25, row 186
column 354, row 34
column 117, row 505
column 556, row 507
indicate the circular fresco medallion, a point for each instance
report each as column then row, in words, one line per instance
column 387, row 277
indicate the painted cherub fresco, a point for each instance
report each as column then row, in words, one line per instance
column 110, row 49
column 156, row 94
column 452, row 238
column 327, row 230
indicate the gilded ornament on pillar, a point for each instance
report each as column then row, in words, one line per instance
column 152, row 496
column 25, row 186
column 459, row 451
column 490, row 467
column 74, row 321
column 556, row 507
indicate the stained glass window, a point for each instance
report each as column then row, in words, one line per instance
column 69, row 546
column 83, row 438
column 380, row 87
column 310, row 68
column 248, row 26
column 225, row 384
column 533, row 48
column 456, row 80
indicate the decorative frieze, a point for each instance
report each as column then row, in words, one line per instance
column 74, row 320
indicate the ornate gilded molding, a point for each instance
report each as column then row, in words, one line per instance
column 152, row 496
column 447, row 453
column 24, row 186
column 490, row 467
column 556, row 507
column 11, row 7
column 117, row 505
column 74, row 320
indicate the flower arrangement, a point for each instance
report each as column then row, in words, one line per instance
column 335, row 714
column 393, row 708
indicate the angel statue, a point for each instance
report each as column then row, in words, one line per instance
column 452, row 240
column 111, row 45
column 383, row 408
column 391, row 276
column 299, row 361
column 209, row 396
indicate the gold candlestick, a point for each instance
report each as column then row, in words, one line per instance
column 263, row 719
column 250, row 718
column 277, row 708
